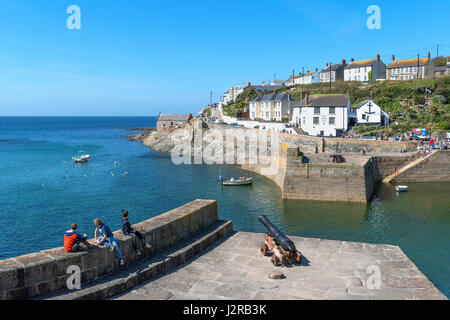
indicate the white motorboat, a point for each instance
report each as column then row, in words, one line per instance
column 81, row 159
column 237, row 182
column 401, row 188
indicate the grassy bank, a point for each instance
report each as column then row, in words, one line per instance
column 397, row 98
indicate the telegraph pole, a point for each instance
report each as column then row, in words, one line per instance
column 330, row 77
column 418, row 65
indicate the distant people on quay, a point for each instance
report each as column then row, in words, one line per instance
column 363, row 151
column 129, row 231
column 431, row 144
column 73, row 240
column 107, row 238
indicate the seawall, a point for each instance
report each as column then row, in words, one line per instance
column 301, row 180
column 436, row 168
column 45, row 272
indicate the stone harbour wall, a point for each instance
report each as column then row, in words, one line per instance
column 434, row 169
column 44, row 272
column 326, row 182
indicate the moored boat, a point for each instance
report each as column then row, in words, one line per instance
column 237, row 182
column 81, row 159
column 401, row 188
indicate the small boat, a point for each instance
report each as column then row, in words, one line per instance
column 238, row 182
column 401, row 188
column 81, row 159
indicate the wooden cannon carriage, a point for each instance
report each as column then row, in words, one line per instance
column 279, row 244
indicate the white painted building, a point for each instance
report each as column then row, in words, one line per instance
column 369, row 113
column 308, row 77
column 272, row 107
column 323, row 115
column 365, row 70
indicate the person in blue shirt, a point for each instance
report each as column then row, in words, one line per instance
column 129, row 231
column 107, row 238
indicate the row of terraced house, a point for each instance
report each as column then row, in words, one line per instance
column 373, row 70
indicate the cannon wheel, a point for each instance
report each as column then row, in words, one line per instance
column 298, row 258
column 264, row 249
column 274, row 260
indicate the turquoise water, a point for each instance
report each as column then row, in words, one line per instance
column 42, row 193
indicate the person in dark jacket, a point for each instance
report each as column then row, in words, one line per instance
column 73, row 240
column 129, row 231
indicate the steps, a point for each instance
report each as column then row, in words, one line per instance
column 148, row 269
column 408, row 166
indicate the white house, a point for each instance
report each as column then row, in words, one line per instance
column 365, row 70
column 272, row 107
column 308, row 77
column 369, row 113
column 323, row 115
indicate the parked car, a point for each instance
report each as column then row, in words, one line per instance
column 369, row 138
column 256, row 127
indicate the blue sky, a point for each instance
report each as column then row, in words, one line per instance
column 139, row 57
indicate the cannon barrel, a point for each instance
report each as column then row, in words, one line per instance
column 279, row 236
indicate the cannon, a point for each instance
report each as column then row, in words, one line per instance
column 279, row 244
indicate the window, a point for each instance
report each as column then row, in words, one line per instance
column 332, row 110
column 267, row 114
column 316, row 110
column 332, row 120
column 253, row 114
column 364, row 117
column 316, row 120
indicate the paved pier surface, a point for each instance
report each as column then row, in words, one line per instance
column 235, row 269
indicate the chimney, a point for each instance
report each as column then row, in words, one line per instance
column 307, row 71
column 327, row 64
column 393, row 58
column 317, row 69
column 352, row 60
column 378, row 57
column 344, row 61
column 429, row 56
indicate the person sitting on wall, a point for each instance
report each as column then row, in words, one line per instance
column 107, row 239
column 73, row 240
column 129, row 231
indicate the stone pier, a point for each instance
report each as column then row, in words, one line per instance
column 338, row 270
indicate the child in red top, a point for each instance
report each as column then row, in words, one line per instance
column 72, row 240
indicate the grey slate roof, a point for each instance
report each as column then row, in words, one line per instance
column 326, row 100
column 174, row 117
column 334, row 67
column 274, row 97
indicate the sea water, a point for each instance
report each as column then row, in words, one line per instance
column 42, row 192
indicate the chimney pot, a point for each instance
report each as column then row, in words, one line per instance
column 429, row 56
column 327, row 64
column 352, row 59
column 317, row 69
column 378, row 57
column 344, row 61
column 393, row 58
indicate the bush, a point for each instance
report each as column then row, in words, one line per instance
column 419, row 99
column 439, row 99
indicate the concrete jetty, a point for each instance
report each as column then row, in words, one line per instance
column 235, row 269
